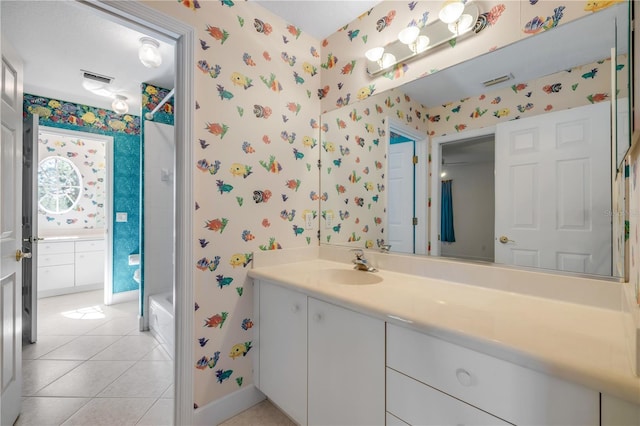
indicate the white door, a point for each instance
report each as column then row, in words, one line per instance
column 10, row 235
column 553, row 191
column 400, row 204
column 30, row 228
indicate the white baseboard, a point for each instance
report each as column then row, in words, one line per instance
column 125, row 296
column 228, row 406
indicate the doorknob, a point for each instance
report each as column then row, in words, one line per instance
column 504, row 240
column 20, row 255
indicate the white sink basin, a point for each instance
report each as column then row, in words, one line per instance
column 350, row 276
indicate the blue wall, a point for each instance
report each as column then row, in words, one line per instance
column 125, row 130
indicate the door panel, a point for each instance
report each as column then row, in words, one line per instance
column 10, row 235
column 400, row 207
column 564, row 226
column 30, row 229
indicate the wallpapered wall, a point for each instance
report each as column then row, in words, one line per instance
column 354, row 163
column 125, row 130
column 260, row 86
column 89, row 156
column 255, row 170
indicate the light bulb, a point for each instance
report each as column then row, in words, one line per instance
column 149, row 52
column 409, row 35
column 120, row 105
column 451, row 11
column 388, row 59
column 422, row 43
column 464, row 23
column 374, row 54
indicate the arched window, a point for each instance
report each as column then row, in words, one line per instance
column 59, row 185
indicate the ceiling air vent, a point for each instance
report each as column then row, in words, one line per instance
column 96, row 77
column 497, row 80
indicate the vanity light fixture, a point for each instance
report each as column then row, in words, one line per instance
column 149, row 52
column 450, row 11
column 120, row 104
column 457, row 18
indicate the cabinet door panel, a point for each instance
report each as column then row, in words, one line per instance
column 90, row 268
column 54, row 277
column 346, row 367
column 282, row 324
column 419, row 404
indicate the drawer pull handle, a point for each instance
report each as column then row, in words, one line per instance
column 318, row 317
column 464, row 377
column 295, row 308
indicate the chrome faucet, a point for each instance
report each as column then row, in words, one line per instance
column 361, row 263
column 385, row 248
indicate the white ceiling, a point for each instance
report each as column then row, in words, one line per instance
column 57, row 39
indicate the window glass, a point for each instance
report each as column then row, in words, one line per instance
column 59, row 185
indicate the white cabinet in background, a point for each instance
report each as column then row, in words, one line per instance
column 346, row 367
column 68, row 266
column 515, row 394
column 313, row 352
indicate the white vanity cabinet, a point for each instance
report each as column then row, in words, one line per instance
column 65, row 266
column 453, row 378
column 312, row 351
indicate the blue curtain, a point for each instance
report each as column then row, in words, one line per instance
column 447, row 233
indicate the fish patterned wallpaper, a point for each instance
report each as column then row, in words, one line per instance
column 255, row 170
column 260, row 87
column 344, row 74
column 89, row 156
column 354, row 160
column 151, row 97
column 125, row 130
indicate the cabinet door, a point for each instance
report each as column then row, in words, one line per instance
column 346, row 367
column 282, row 326
column 90, row 268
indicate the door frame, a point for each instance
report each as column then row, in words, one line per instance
column 421, row 175
column 154, row 22
column 435, row 193
column 108, row 208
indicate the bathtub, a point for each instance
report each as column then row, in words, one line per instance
column 161, row 320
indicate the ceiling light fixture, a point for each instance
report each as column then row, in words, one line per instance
column 149, row 52
column 120, row 104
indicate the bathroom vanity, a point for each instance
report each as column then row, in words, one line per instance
column 335, row 347
column 66, row 265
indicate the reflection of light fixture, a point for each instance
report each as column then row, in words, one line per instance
column 409, row 35
column 422, row 43
column 443, row 174
column 388, row 59
column 462, row 25
column 149, row 52
column 451, row 11
column 120, row 105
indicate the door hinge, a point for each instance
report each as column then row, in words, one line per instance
column 415, row 159
column 415, row 221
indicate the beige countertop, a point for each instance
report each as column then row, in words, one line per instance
column 579, row 343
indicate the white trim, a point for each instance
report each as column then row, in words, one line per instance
column 421, row 176
column 434, row 230
column 108, row 203
column 228, row 406
column 184, row 35
column 125, row 296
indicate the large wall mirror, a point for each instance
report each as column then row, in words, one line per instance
column 534, row 161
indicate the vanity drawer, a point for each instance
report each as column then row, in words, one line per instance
column 418, row 404
column 89, row 245
column 46, row 259
column 55, row 277
column 49, row 247
column 516, row 394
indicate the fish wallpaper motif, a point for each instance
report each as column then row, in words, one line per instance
column 151, row 97
column 261, row 85
column 89, row 156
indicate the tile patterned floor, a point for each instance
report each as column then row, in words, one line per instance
column 91, row 366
